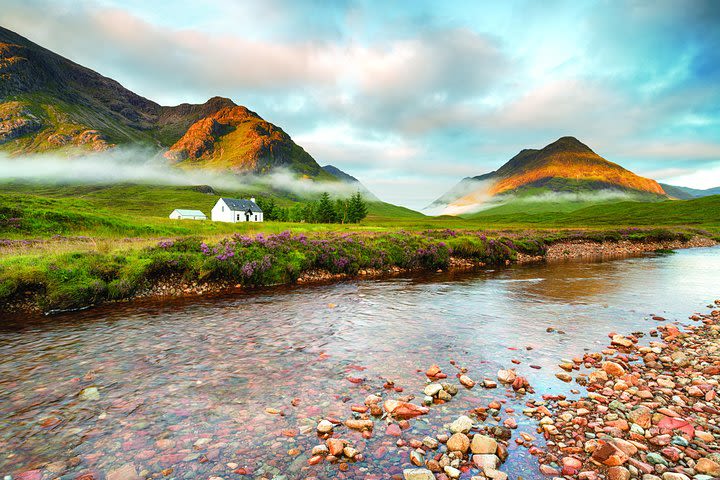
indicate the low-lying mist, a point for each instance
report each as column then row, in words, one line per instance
column 145, row 166
column 486, row 202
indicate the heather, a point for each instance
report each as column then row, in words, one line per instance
column 76, row 279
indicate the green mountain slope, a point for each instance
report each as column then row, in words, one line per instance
column 701, row 211
column 686, row 193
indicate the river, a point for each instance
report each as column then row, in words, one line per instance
column 184, row 386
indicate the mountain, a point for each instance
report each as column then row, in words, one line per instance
column 686, row 193
column 239, row 140
column 564, row 166
column 49, row 103
column 350, row 180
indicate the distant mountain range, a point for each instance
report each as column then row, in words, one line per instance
column 350, row 180
column 686, row 193
column 49, row 103
column 565, row 166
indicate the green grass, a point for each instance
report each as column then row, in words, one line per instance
column 130, row 210
column 700, row 212
column 75, row 279
column 109, row 248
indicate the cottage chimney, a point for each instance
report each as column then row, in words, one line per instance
column 252, row 199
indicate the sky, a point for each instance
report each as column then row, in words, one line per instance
column 410, row 97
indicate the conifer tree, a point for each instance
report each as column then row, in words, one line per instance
column 325, row 209
column 357, row 208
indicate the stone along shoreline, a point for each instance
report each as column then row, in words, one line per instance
column 652, row 411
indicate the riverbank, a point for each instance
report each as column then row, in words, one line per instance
column 652, row 410
column 189, row 266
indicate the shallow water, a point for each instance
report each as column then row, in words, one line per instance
column 170, row 374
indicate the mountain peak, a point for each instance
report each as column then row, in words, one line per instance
column 566, row 165
column 568, row 144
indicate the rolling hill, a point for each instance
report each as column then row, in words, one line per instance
column 49, row 103
column 686, row 193
column 566, row 166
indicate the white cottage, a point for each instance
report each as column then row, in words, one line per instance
column 180, row 214
column 234, row 210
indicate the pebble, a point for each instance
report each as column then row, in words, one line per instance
column 418, row 474
column 325, row 426
column 458, row 442
column 467, row 381
column 482, row 444
column 462, row 424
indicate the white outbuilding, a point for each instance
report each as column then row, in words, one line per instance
column 180, row 214
column 234, row 210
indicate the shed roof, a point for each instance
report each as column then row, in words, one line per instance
column 238, row 205
column 189, row 213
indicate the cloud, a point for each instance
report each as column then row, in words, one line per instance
column 144, row 166
column 422, row 93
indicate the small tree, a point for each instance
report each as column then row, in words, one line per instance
column 270, row 209
column 357, row 208
column 310, row 212
column 297, row 213
column 341, row 210
column 325, row 209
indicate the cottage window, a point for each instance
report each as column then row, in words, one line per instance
column 256, row 218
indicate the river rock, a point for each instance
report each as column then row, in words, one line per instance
column 320, row 450
column 452, row 472
column 467, row 381
column 495, row 474
column 609, row 455
column 90, row 393
column 482, row 444
column 349, row 452
column 618, row 473
column 356, row 424
column 674, row 476
column 433, row 371
column 506, row 376
column 486, row 460
column 432, row 389
column 707, row 466
column 126, row 472
column 458, row 442
column 324, row 426
column 622, row 341
column 614, row 369
column 404, row 409
column 640, row 415
column 430, row 442
column 335, row 446
column 462, row 424
column 418, row 474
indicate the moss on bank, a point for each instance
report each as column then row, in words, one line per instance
column 80, row 279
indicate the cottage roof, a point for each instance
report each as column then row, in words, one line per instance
column 189, row 213
column 238, row 205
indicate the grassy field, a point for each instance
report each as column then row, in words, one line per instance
column 129, row 210
column 72, row 246
column 702, row 212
